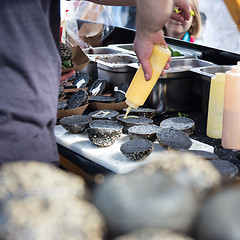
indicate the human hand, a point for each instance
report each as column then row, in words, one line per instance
column 143, row 46
column 67, row 75
column 184, row 11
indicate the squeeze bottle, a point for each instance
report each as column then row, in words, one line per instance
column 215, row 106
column 231, row 109
column 139, row 88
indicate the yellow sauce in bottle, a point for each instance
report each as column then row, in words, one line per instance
column 215, row 106
column 139, row 88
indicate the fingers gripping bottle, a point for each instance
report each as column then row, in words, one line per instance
column 231, row 109
column 139, row 88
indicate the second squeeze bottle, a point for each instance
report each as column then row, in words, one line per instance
column 231, row 109
column 215, row 106
column 139, row 88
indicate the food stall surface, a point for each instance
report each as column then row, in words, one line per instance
column 80, row 158
column 93, row 159
column 111, row 157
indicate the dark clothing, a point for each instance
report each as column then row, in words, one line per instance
column 29, row 77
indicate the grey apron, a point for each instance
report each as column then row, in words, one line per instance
column 29, row 79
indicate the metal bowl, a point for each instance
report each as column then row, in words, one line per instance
column 182, row 67
column 100, row 51
column 179, row 89
column 205, row 74
column 117, row 69
column 93, row 54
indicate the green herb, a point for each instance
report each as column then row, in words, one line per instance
column 67, row 64
column 174, row 53
column 182, row 114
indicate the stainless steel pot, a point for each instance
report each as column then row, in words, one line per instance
column 104, row 55
column 205, row 74
column 117, row 69
column 179, row 89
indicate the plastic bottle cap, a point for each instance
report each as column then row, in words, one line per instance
column 132, row 105
column 236, row 68
column 219, row 76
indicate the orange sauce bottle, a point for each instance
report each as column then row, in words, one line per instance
column 139, row 88
column 231, row 109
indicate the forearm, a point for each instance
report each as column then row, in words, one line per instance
column 115, row 2
column 150, row 20
column 152, row 14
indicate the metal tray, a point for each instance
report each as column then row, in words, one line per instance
column 117, row 69
column 186, row 51
column 208, row 72
column 205, row 74
column 125, row 48
column 100, row 51
column 175, row 94
column 117, row 62
column 95, row 53
column 128, row 48
column 179, row 89
column 181, row 67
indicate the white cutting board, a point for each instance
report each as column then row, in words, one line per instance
column 111, row 157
